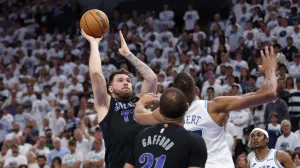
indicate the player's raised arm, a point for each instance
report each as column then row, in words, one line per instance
column 150, row 79
column 101, row 97
column 266, row 93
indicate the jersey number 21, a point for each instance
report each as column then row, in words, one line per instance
column 148, row 159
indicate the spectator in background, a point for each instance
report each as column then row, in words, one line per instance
column 294, row 106
column 290, row 50
column 16, row 159
column 288, row 140
column 95, row 158
column 42, row 161
column 72, row 159
column 251, row 85
column 32, row 160
column 241, row 120
column 277, row 50
column 298, row 131
column 274, row 130
column 60, row 122
column 258, row 116
column 5, row 127
column 21, row 118
column 56, row 163
column 295, row 69
column 232, row 131
column 290, row 84
column 190, row 18
column 296, row 159
column 82, row 144
column 56, row 152
column 40, row 148
column 241, row 161
column 282, row 93
column 283, row 73
column 167, row 16
column 278, row 106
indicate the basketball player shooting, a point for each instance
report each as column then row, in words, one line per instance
column 115, row 110
column 206, row 118
column 168, row 144
column 265, row 157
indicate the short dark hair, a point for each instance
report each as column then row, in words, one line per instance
column 41, row 157
column 72, row 143
column 113, row 74
column 186, row 84
column 296, row 153
column 172, row 103
column 253, row 77
column 277, row 46
column 210, row 88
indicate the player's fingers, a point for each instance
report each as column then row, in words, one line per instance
column 82, row 32
column 260, row 68
column 271, row 51
column 267, row 54
column 262, row 54
column 277, row 58
column 121, row 37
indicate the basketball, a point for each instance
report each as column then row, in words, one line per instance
column 94, row 23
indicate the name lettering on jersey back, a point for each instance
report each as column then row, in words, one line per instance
column 124, row 106
column 192, row 119
column 159, row 140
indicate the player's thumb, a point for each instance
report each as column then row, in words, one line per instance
column 261, row 68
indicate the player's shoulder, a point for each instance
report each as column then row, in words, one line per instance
column 281, row 155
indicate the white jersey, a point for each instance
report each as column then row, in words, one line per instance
column 269, row 161
column 198, row 120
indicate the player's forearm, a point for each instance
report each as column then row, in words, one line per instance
column 95, row 65
column 143, row 69
column 269, row 87
column 144, row 116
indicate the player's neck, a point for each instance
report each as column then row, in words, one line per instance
column 262, row 153
column 174, row 121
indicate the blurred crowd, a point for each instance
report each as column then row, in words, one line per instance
column 47, row 117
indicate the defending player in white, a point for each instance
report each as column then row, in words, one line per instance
column 265, row 157
column 206, row 118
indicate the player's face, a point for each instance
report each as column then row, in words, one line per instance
column 121, row 86
column 258, row 140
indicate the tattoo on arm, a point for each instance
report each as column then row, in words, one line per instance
column 143, row 69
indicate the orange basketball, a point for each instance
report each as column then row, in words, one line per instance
column 94, row 23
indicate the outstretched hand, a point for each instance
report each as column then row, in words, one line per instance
column 269, row 60
column 124, row 50
column 90, row 38
column 148, row 99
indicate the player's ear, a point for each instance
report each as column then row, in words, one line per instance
column 197, row 91
column 110, row 89
column 187, row 106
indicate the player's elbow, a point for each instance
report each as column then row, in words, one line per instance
column 151, row 78
column 139, row 119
